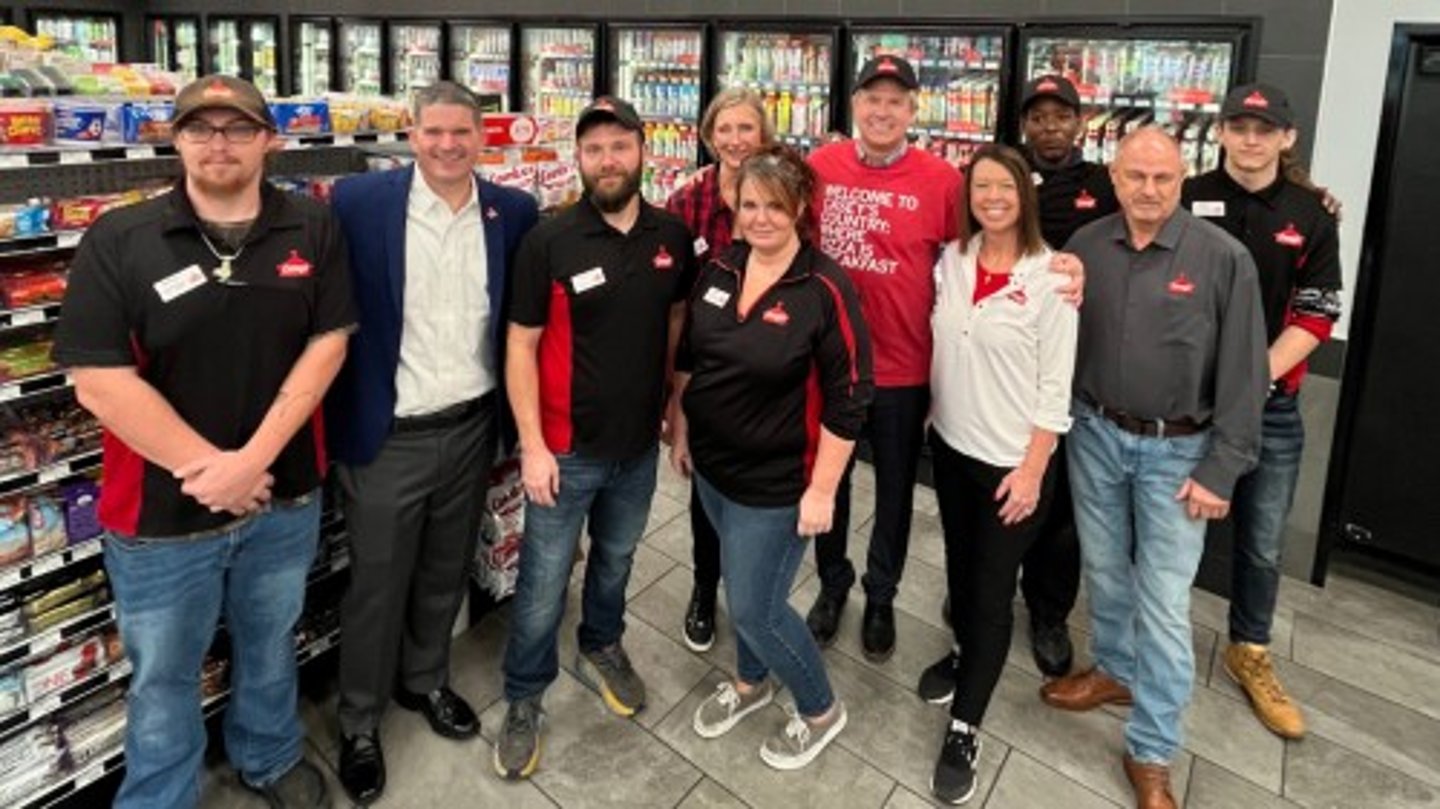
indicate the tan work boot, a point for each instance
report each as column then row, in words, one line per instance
column 1249, row 665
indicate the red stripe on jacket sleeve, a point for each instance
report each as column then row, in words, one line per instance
column 122, row 488
column 557, row 373
column 846, row 329
column 814, row 404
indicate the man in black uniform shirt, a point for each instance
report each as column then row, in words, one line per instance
column 1073, row 192
column 1293, row 239
column 202, row 329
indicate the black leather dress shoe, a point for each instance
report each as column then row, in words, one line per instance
column 448, row 714
column 362, row 767
column 1050, row 643
column 877, row 632
column 824, row 617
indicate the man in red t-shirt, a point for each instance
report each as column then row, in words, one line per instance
column 885, row 210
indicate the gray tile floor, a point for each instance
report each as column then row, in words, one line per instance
column 1365, row 663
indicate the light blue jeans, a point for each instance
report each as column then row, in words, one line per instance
column 1141, row 551
column 170, row 594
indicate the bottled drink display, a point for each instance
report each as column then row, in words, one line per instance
column 312, row 60
column 93, row 39
column 959, row 97
column 792, row 71
column 265, row 57
column 175, row 45
column 225, row 47
column 1125, row 84
column 658, row 70
column 480, row 59
column 559, row 70
column 414, row 57
column 360, row 57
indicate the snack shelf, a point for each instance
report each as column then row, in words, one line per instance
column 50, row 640
column 29, row 315
column 31, row 385
column 65, row 697
column 48, row 563
column 46, row 242
column 53, row 473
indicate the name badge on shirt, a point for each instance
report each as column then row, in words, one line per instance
column 1037, row 178
column 173, row 286
column 716, row 297
column 591, row 278
column 1214, row 207
column 701, row 245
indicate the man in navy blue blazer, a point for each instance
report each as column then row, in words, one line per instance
column 415, row 416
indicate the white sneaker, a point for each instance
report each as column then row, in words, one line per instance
column 727, row 706
column 799, row 742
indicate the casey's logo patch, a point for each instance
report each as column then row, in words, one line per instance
column 1257, row 100
column 886, row 66
column 1290, row 237
column 1181, row 285
column 663, row 259
column 776, row 315
column 1047, row 86
column 1085, row 202
column 294, row 266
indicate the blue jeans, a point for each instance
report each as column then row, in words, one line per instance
column 759, row 554
column 1261, row 505
column 615, row 496
column 171, row 593
column 1141, row 551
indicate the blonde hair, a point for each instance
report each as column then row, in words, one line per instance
column 735, row 97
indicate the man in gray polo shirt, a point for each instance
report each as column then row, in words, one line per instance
column 1170, row 380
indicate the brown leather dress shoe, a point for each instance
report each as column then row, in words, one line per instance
column 1151, row 783
column 1085, row 691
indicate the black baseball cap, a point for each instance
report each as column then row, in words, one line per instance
column 609, row 109
column 1263, row 101
column 1050, row 86
column 888, row 67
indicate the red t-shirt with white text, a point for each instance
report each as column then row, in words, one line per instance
column 886, row 226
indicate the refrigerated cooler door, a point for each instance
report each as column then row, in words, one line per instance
column 1126, row 83
column 93, row 39
column 558, row 76
column 659, row 71
column 162, row 49
column 265, row 57
column 187, row 49
column 414, row 57
column 225, row 47
column 312, row 58
column 792, row 72
column 480, row 60
column 360, row 58
column 959, row 97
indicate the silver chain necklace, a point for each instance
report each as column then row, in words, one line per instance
column 222, row 272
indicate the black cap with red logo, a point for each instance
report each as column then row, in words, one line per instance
column 888, row 67
column 1050, row 86
column 610, row 109
column 1263, row 101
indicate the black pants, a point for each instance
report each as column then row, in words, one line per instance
column 1051, row 578
column 413, row 517
column 982, row 560
column 706, row 549
column 895, row 428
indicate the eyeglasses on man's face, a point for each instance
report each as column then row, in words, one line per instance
column 234, row 132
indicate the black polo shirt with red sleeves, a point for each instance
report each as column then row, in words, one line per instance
column 603, row 298
column 1071, row 196
column 144, row 292
column 1294, row 241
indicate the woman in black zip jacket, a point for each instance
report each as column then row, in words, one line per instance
column 773, row 375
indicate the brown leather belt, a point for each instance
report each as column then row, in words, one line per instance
column 1151, row 428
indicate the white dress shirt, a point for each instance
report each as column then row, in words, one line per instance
column 444, row 351
column 1003, row 366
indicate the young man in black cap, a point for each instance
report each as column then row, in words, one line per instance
column 1294, row 241
column 599, row 299
column 202, row 329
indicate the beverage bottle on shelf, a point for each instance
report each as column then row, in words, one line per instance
column 822, row 64
column 799, row 112
column 782, row 112
column 819, row 116
column 763, row 62
column 770, row 101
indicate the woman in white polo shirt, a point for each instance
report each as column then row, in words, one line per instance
column 1000, row 386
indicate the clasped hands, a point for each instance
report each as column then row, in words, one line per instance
column 227, row 480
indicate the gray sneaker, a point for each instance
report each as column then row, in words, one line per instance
column 300, row 786
column 608, row 671
column 517, row 748
column 727, row 706
column 799, row 742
